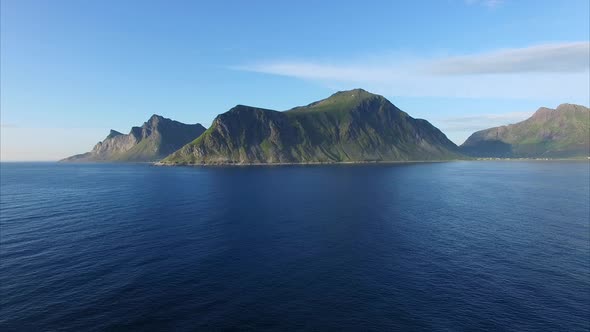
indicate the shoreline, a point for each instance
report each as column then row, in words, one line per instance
column 307, row 163
column 365, row 162
column 157, row 163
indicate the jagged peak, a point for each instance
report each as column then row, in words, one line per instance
column 154, row 119
column 113, row 133
column 136, row 132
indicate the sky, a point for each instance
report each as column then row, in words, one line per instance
column 72, row 70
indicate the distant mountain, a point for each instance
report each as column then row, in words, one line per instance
column 155, row 139
column 349, row 126
column 550, row 133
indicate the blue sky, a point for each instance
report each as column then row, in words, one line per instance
column 72, row 70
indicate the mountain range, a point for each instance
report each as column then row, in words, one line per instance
column 549, row 133
column 349, row 126
column 154, row 140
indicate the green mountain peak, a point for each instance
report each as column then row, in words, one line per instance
column 340, row 101
column 352, row 94
column 348, row 126
column 563, row 132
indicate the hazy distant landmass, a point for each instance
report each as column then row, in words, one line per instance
column 550, row 133
column 154, row 140
column 349, row 126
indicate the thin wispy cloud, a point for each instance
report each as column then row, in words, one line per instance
column 557, row 70
column 481, row 121
column 458, row 128
column 549, row 58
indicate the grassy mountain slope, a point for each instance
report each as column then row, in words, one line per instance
column 550, row 133
column 348, row 126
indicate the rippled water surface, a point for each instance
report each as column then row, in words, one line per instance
column 433, row 246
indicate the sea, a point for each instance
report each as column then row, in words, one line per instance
column 447, row 246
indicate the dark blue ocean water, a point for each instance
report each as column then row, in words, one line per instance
column 433, row 246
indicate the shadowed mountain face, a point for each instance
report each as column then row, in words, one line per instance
column 346, row 127
column 550, row 133
column 155, row 139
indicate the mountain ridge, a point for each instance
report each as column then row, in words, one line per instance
column 348, row 126
column 563, row 132
column 155, row 139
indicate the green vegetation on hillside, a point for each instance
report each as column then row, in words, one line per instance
column 560, row 133
column 349, row 126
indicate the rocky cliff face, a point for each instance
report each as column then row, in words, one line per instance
column 155, row 139
column 549, row 133
column 349, row 126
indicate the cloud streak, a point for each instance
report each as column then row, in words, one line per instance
column 458, row 128
column 473, row 123
column 558, row 70
column 548, row 58
column 7, row 125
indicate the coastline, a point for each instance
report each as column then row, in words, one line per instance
column 384, row 162
column 306, row 163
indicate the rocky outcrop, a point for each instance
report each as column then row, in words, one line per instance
column 155, row 139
